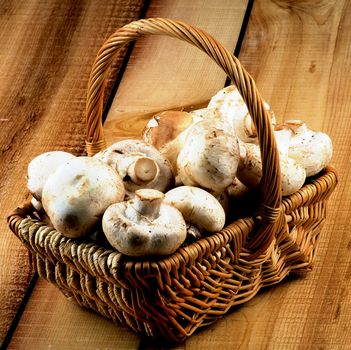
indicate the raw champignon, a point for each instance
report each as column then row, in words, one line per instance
column 293, row 175
column 237, row 190
column 311, row 149
column 231, row 106
column 209, row 157
column 144, row 225
column 167, row 131
column 40, row 168
column 139, row 164
column 76, row 195
column 198, row 207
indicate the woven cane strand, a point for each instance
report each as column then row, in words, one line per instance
column 172, row 297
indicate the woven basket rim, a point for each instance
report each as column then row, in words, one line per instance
column 185, row 253
column 251, row 238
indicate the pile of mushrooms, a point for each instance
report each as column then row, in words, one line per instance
column 152, row 195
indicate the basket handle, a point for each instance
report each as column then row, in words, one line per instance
column 270, row 183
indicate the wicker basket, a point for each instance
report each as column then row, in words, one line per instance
column 173, row 296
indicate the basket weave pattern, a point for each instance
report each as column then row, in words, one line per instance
column 173, row 296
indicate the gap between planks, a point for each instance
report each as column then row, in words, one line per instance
column 146, row 67
column 297, row 53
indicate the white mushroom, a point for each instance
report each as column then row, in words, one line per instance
column 293, row 175
column 144, row 225
column 283, row 135
column 198, row 114
column 76, row 195
column 237, row 190
column 250, row 165
column 231, row 106
column 167, row 131
column 41, row 167
column 209, row 156
column 139, row 164
column 312, row 150
column 198, row 207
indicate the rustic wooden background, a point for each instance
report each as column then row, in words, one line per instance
column 299, row 53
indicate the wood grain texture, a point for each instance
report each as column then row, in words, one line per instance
column 47, row 49
column 165, row 73
column 153, row 67
column 298, row 52
column 52, row 322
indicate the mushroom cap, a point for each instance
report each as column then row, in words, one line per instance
column 231, row 106
column 198, row 207
column 250, row 165
column 283, row 136
column 223, row 199
column 165, row 127
column 237, row 190
column 76, row 195
column 199, row 114
column 209, row 157
column 123, row 154
column 136, row 232
column 166, row 131
column 293, row 175
column 41, row 167
column 311, row 149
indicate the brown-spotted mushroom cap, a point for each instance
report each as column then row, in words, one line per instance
column 144, row 225
column 139, row 164
column 76, row 195
column 166, row 131
column 231, row 106
column 311, row 149
column 293, row 175
column 209, row 157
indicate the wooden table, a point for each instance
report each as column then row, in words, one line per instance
column 298, row 52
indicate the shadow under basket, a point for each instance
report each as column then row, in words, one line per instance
column 171, row 297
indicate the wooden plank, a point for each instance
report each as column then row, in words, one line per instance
column 299, row 54
column 47, row 49
column 154, row 66
column 166, row 73
column 52, row 322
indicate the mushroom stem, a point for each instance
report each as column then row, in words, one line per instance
column 146, row 202
column 139, row 165
column 130, row 228
column 144, row 169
